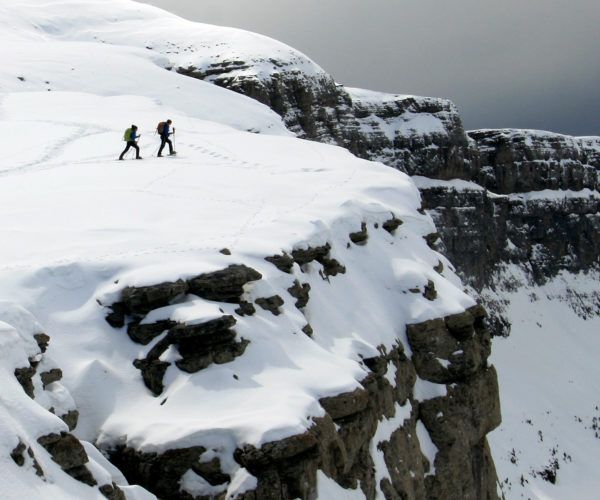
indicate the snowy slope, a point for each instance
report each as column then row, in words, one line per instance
column 549, row 441
column 166, row 39
column 79, row 227
column 28, row 418
column 38, row 59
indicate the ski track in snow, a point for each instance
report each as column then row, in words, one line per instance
column 55, row 151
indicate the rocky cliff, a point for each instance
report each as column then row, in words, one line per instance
column 518, row 215
column 520, row 161
column 418, row 135
column 545, row 220
column 415, row 427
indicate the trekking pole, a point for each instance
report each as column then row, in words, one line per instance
column 174, row 142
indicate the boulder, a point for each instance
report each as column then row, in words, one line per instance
column 51, row 376
column 226, row 285
column 142, row 300
column 392, row 224
column 42, row 341
column 24, row 377
column 282, row 262
column 301, row 292
column 271, row 304
column 65, row 449
column 144, row 333
column 360, row 237
column 246, row 309
column 153, row 372
column 70, row 418
column 345, row 404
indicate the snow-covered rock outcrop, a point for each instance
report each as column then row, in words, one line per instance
column 254, row 303
column 257, row 317
column 40, row 457
column 534, row 203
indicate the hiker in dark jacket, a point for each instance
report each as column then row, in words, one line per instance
column 131, row 136
column 164, row 129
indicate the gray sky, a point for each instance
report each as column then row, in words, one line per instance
column 509, row 63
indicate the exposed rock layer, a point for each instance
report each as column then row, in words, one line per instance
column 481, row 231
column 387, row 130
column 514, row 161
column 450, row 351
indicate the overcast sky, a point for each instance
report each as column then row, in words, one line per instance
column 508, row 63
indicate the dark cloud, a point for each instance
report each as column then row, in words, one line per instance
column 515, row 63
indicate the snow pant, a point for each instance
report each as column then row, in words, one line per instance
column 131, row 144
column 163, row 142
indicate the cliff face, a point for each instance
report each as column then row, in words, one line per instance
column 415, row 427
column 543, row 232
column 418, row 135
column 545, row 220
column 516, row 161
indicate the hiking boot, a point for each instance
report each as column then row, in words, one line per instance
column 139, row 158
column 159, row 156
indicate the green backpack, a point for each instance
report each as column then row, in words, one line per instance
column 127, row 135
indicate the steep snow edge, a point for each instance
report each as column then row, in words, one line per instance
column 40, row 458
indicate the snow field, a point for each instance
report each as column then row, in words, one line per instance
column 81, row 226
column 548, row 373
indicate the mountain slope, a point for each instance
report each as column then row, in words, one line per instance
column 258, row 315
column 528, row 246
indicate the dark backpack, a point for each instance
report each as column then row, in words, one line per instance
column 160, row 128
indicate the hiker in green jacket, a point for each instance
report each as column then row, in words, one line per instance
column 131, row 136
